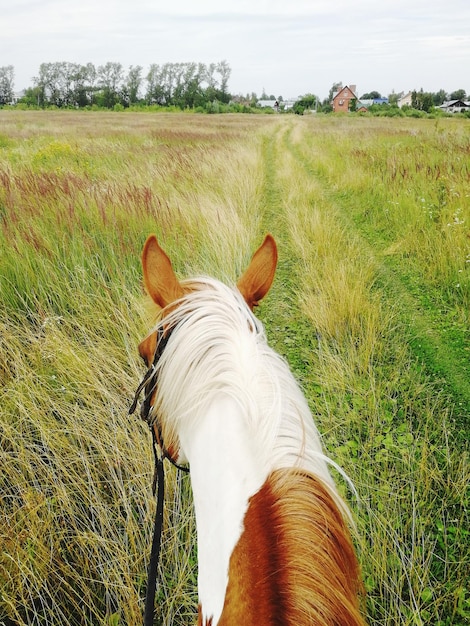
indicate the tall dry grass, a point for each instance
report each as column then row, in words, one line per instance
column 79, row 193
column 78, row 196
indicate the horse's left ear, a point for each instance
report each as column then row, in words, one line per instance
column 258, row 277
column 159, row 278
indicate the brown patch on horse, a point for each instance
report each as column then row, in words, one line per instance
column 147, row 348
column 295, row 562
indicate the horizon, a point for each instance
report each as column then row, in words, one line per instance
column 260, row 96
column 284, row 50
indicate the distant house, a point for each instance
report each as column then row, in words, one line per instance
column 343, row 97
column 272, row 104
column 17, row 96
column 287, row 104
column 277, row 105
column 364, row 104
column 404, row 100
column 455, row 106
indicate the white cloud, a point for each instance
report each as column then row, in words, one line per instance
column 288, row 48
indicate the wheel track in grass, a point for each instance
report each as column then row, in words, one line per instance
column 290, row 332
column 444, row 351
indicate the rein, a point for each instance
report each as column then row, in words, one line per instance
column 148, row 385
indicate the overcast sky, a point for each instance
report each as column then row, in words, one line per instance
column 286, row 47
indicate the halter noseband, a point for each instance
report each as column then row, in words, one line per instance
column 149, row 381
column 148, row 385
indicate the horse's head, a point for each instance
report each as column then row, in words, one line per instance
column 168, row 293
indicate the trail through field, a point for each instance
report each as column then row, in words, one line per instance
column 290, row 330
column 440, row 343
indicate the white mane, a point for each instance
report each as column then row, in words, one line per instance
column 219, row 347
column 228, row 404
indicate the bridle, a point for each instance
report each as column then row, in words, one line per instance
column 148, row 385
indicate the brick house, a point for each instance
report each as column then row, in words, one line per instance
column 343, row 97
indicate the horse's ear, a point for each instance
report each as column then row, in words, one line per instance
column 258, row 277
column 159, row 278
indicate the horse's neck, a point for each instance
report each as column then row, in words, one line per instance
column 226, row 470
column 272, row 545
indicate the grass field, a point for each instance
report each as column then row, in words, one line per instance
column 370, row 306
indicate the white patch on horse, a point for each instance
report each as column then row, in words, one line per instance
column 225, row 473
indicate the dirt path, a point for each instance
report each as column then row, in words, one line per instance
column 290, row 332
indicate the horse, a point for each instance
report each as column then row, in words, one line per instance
column 273, row 538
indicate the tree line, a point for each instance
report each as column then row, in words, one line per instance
column 71, row 85
column 182, row 85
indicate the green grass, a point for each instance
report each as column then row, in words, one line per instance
column 370, row 306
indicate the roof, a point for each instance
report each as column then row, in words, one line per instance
column 369, row 102
column 267, row 103
column 455, row 103
column 351, row 88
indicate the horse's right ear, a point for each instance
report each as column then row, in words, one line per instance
column 159, row 278
column 258, row 277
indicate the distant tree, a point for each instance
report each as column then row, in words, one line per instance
column 371, row 96
column 178, row 85
column 439, row 97
column 249, row 99
column 217, row 86
column 32, row 96
column 64, row 84
column 394, row 97
column 422, row 101
column 7, row 80
column 190, row 88
column 224, row 70
column 335, row 87
column 307, row 102
column 459, row 94
column 110, row 78
column 155, row 94
column 427, row 102
column 164, row 83
column 168, row 78
column 188, row 84
column 209, row 77
column 90, row 77
column 131, row 86
column 48, row 84
column 352, row 106
column 72, row 84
